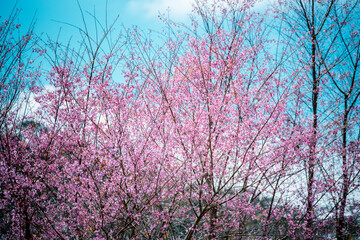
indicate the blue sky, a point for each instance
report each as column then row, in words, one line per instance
column 143, row 13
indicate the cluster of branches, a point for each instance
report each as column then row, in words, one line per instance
column 240, row 125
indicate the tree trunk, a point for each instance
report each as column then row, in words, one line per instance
column 340, row 228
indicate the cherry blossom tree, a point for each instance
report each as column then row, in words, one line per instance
column 202, row 133
column 227, row 112
column 325, row 34
column 18, row 75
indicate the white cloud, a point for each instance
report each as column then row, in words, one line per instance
column 178, row 9
column 27, row 105
column 263, row 4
